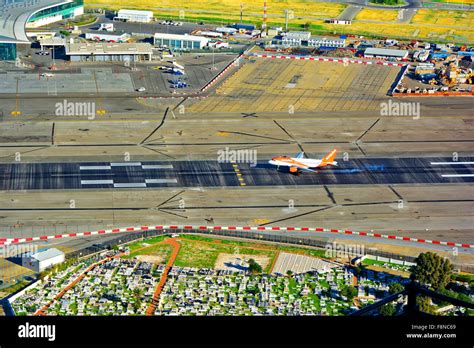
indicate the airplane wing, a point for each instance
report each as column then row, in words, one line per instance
column 307, row 170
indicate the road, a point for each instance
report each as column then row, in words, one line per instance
column 106, row 175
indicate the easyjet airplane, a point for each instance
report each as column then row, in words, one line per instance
column 300, row 163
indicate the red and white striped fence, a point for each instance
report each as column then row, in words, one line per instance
column 8, row 241
column 323, row 59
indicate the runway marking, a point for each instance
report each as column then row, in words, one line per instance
column 97, row 182
column 457, row 175
column 161, row 181
column 126, row 164
column 94, row 167
column 130, row 184
column 449, row 163
column 157, row 166
column 237, row 172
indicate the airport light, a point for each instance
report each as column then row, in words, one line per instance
column 16, row 112
column 99, row 111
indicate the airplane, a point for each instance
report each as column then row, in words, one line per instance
column 299, row 163
column 179, row 84
column 179, row 66
column 177, row 71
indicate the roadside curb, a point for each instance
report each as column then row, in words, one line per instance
column 9, row 241
column 321, row 59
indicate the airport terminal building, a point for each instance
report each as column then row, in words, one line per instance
column 109, row 52
column 17, row 15
column 180, row 42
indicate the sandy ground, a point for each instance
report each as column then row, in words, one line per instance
column 151, row 258
column 233, row 262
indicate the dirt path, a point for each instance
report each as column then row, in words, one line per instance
column 275, row 258
column 174, row 253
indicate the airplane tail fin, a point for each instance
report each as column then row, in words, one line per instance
column 300, row 155
column 329, row 159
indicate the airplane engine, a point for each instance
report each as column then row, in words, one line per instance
column 294, row 170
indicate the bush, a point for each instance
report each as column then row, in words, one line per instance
column 387, row 310
column 254, row 267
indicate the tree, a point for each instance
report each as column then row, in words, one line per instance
column 424, row 305
column 137, row 292
column 395, row 288
column 432, row 269
column 137, row 304
column 349, row 291
column 43, row 275
column 254, row 267
column 289, row 273
column 387, row 310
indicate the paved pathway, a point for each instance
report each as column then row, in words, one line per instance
column 174, row 253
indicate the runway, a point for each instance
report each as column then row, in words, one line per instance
column 107, row 175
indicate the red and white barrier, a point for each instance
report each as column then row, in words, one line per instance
column 217, row 78
column 8, row 241
column 323, row 59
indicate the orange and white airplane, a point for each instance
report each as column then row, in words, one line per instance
column 300, row 163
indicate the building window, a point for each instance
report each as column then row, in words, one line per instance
column 7, row 51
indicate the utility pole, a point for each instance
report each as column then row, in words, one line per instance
column 289, row 14
column 264, row 25
column 241, row 12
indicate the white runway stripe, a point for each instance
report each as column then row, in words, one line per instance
column 157, row 166
column 449, row 163
column 457, row 175
column 130, row 184
column 96, row 182
column 126, row 164
column 161, row 181
column 94, row 167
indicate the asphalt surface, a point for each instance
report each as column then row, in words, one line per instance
column 106, row 175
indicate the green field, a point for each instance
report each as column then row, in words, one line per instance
column 205, row 255
column 141, row 243
column 202, row 251
column 196, row 251
column 441, row 26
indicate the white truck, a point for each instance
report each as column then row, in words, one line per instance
column 106, row 27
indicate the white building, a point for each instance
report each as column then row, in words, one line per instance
column 43, row 259
column 180, row 42
column 95, row 52
column 134, row 16
column 108, row 37
column 326, row 42
column 304, row 38
column 385, row 53
column 295, row 38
